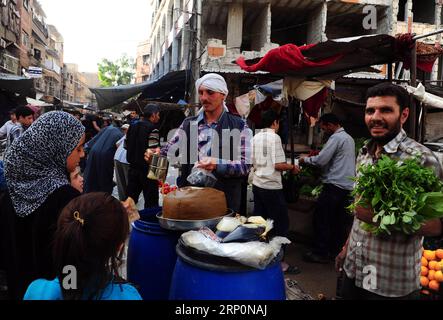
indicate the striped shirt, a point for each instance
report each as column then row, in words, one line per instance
column 388, row 266
column 15, row 132
column 226, row 168
column 267, row 151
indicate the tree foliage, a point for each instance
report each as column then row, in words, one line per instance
column 116, row 73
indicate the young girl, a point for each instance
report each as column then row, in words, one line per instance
column 89, row 241
column 76, row 180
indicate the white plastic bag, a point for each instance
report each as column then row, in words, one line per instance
column 254, row 254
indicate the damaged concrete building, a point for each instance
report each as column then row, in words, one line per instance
column 208, row 35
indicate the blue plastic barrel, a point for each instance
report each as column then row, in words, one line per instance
column 151, row 256
column 195, row 278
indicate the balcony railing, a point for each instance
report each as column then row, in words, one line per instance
column 52, row 52
column 43, row 29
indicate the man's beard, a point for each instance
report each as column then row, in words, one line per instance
column 392, row 133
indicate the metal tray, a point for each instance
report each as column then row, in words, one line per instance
column 187, row 225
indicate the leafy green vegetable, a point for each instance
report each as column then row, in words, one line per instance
column 308, row 171
column 403, row 195
column 317, row 190
column 306, row 190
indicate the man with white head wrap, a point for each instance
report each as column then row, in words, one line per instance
column 228, row 159
column 213, row 82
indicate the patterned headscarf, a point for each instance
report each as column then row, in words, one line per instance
column 35, row 164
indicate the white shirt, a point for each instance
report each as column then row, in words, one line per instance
column 6, row 128
column 120, row 154
column 267, row 151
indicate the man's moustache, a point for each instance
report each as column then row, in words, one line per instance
column 378, row 124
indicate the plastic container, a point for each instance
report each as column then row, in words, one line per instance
column 151, row 256
column 199, row 276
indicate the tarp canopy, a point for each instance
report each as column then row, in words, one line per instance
column 37, row 103
column 16, row 84
column 273, row 88
column 109, row 97
column 171, row 85
column 76, row 105
column 335, row 58
column 429, row 99
column 170, row 88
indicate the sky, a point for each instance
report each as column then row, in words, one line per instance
column 97, row 29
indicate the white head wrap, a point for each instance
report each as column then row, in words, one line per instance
column 214, row 82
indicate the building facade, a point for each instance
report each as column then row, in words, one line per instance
column 91, row 81
column 40, row 41
column 10, row 36
column 30, row 47
column 76, row 85
column 52, row 69
column 26, row 33
column 142, row 71
column 208, row 35
column 72, row 90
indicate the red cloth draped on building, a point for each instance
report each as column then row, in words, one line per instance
column 286, row 58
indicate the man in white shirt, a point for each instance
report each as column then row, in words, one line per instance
column 122, row 166
column 25, row 118
column 6, row 128
column 269, row 160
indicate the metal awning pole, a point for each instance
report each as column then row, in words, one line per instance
column 423, row 123
column 291, row 129
column 412, row 107
column 427, row 34
column 390, row 71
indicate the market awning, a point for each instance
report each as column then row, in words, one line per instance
column 170, row 88
column 109, row 97
column 75, row 105
column 273, row 88
column 16, row 84
column 335, row 58
column 168, row 85
column 428, row 99
column 37, row 103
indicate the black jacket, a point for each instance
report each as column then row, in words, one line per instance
column 26, row 243
column 137, row 141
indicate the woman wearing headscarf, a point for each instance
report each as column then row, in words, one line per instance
column 37, row 168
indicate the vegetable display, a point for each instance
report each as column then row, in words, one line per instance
column 402, row 194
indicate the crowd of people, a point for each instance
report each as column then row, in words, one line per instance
column 57, row 211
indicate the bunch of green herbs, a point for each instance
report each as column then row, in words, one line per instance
column 403, row 195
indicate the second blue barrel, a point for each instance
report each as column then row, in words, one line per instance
column 151, row 256
column 202, row 277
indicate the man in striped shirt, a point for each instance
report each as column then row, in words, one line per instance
column 25, row 118
column 386, row 267
column 214, row 140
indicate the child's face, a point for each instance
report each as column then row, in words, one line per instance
column 77, row 180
